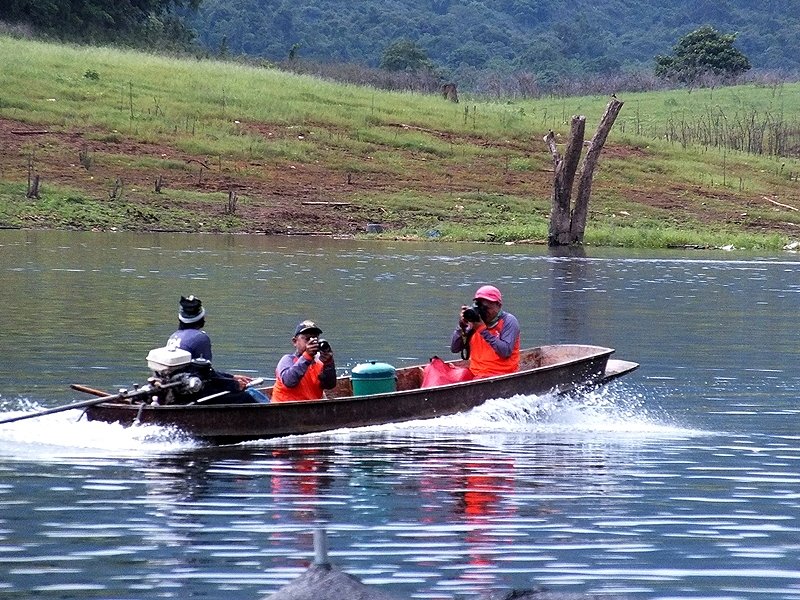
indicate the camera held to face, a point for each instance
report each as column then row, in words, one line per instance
column 324, row 345
column 473, row 313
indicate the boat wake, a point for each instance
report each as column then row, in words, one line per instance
column 68, row 435
column 609, row 410
column 613, row 412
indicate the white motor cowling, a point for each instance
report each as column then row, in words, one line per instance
column 163, row 361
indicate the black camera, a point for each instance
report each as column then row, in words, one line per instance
column 472, row 314
column 324, row 345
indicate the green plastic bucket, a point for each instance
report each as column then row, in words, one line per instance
column 373, row 378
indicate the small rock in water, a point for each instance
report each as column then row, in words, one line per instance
column 323, row 582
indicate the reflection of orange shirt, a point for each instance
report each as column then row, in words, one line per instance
column 480, row 497
column 304, row 475
column 484, row 361
column 485, row 486
column 308, row 484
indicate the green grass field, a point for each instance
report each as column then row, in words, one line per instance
column 292, row 147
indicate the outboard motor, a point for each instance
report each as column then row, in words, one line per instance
column 165, row 361
column 174, row 368
column 180, row 379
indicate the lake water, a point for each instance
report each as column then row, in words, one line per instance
column 681, row 480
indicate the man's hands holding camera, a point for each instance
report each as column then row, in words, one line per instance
column 470, row 317
column 321, row 346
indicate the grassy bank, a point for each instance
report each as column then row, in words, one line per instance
column 134, row 141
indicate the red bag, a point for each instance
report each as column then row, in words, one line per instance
column 439, row 372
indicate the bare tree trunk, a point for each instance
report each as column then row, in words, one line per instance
column 581, row 211
column 33, row 187
column 563, row 178
column 567, row 225
column 449, row 92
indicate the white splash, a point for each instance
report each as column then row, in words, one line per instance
column 68, row 434
column 610, row 413
column 605, row 411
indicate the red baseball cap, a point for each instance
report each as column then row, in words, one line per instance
column 490, row 293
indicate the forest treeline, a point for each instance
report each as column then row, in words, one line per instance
column 541, row 42
column 547, row 38
column 155, row 24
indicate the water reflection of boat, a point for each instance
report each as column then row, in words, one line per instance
column 555, row 368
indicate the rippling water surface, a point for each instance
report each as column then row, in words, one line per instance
column 679, row 481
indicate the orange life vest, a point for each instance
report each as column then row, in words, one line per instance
column 309, row 387
column 484, row 361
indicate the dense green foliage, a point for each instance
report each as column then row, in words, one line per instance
column 404, row 55
column 545, row 37
column 140, row 22
column 701, row 52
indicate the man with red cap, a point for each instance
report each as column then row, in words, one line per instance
column 487, row 335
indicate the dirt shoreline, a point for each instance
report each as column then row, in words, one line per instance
column 279, row 198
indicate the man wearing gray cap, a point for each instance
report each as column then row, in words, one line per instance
column 306, row 372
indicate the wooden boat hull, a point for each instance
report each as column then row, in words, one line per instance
column 545, row 369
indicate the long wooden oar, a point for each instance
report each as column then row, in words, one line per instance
column 50, row 411
column 105, row 398
column 85, row 403
column 86, row 389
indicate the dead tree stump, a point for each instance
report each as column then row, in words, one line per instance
column 567, row 223
column 230, row 208
column 449, row 92
column 33, row 187
column 33, row 181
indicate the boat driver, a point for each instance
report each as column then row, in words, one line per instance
column 190, row 335
column 309, row 370
column 487, row 335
